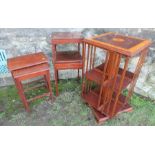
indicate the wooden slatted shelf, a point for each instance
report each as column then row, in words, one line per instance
column 120, row 71
column 93, row 96
column 102, row 117
column 96, row 76
column 92, row 99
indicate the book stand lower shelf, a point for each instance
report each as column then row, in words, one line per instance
column 103, row 85
column 92, row 96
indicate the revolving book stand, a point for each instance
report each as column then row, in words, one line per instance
column 103, row 84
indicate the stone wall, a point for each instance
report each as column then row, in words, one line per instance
column 22, row 41
column 18, row 42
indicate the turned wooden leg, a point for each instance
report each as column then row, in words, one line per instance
column 22, row 95
column 56, row 82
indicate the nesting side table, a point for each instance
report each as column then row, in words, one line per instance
column 63, row 60
column 27, row 67
column 103, row 85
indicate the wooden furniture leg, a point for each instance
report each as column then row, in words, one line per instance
column 79, row 51
column 83, row 59
column 46, row 84
column 56, row 82
column 22, row 95
column 14, row 80
column 47, row 76
column 58, row 75
column 78, row 74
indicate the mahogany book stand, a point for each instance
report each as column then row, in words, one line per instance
column 103, row 85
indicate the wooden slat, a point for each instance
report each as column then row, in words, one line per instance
column 35, row 87
column 38, row 97
column 92, row 99
column 114, row 109
column 34, row 82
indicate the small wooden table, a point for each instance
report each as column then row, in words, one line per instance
column 104, row 84
column 27, row 67
column 63, row 60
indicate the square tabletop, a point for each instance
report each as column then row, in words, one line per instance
column 26, row 61
column 66, row 37
column 125, row 45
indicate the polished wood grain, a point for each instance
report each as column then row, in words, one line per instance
column 26, row 61
column 126, row 45
column 119, row 40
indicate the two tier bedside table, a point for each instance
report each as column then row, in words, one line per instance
column 63, row 60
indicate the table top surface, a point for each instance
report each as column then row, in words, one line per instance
column 67, row 35
column 26, row 61
column 126, row 45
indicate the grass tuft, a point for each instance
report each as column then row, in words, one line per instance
column 68, row 108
